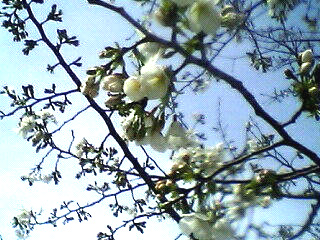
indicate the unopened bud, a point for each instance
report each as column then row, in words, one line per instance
column 90, row 87
column 305, row 67
column 91, row 71
column 167, row 14
column 307, row 56
column 289, row 74
column 313, row 90
column 113, row 83
column 227, row 9
column 113, row 101
column 169, row 183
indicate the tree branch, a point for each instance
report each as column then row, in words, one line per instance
column 100, row 111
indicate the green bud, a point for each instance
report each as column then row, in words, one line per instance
column 167, row 13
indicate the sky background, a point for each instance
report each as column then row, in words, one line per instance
column 97, row 28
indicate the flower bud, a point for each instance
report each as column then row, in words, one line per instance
column 113, row 83
column 167, row 14
column 307, row 56
column 113, row 101
column 305, row 67
column 37, row 138
column 91, row 71
column 289, row 74
column 91, row 87
column 313, row 91
column 160, row 185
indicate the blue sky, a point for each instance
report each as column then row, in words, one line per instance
column 96, row 29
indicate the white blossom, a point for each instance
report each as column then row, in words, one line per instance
column 80, row 147
column 154, row 80
column 133, row 89
column 202, row 16
column 204, row 227
column 196, row 224
column 23, row 224
column 46, row 115
column 157, row 141
column 178, row 137
column 204, row 161
column 26, row 125
column 150, row 49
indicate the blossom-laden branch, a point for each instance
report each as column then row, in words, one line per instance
column 217, row 73
column 99, row 110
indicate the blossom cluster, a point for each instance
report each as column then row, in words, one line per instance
column 306, row 59
column 259, row 192
column 189, row 165
column 200, row 15
column 197, row 160
column 145, row 129
column 152, row 81
column 306, row 83
column 23, row 223
column 206, row 226
column 34, row 125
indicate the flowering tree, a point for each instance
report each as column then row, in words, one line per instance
column 208, row 190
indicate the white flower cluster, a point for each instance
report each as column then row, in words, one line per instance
column 245, row 198
column 23, row 224
column 204, row 161
column 152, row 82
column 204, row 227
column 45, row 178
column 146, row 130
column 201, row 15
column 28, row 124
column 306, row 58
column 84, row 148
